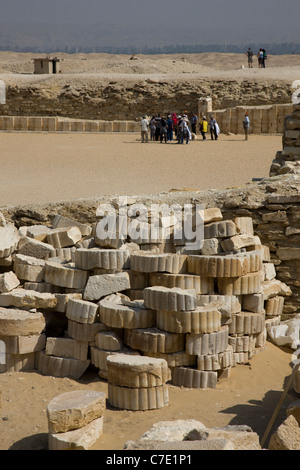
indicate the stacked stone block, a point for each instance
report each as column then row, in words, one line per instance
column 75, row 420
column 287, row 160
column 137, row 383
column 201, row 311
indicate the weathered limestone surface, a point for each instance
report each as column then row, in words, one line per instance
column 14, row 322
column 73, row 410
column 79, row 439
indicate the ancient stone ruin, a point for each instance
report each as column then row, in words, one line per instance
column 145, row 310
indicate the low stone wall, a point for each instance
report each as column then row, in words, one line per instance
column 58, row 124
column 263, row 119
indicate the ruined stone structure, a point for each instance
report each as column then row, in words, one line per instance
column 113, row 100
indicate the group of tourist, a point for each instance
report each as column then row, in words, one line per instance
column 179, row 128
column 261, row 57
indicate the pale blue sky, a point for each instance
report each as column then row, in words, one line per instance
column 238, row 14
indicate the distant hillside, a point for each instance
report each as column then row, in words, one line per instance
column 118, row 39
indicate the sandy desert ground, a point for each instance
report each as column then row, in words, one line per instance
column 43, row 167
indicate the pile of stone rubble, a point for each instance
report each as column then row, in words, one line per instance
column 70, row 299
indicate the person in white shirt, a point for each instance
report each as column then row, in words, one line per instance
column 144, row 129
column 246, row 124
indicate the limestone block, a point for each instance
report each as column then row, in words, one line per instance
column 247, row 323
column 14, row 322
column 65, row 275
column 79, row 439
column 125, row 314
column 138, row 399
column 222, row 229
column 175, row 299
column 73, row 410
column 8, row 282
column 64, row 237
column 60, row 221
column 144, row 261
column 29, row 268
column 9, row 239
column 227, row 304
column 21, row 298
column 239, row 241
column 67, row 347
column 274, row 306
column 244, row 224
column 63, row 299
column 99, row 358
column 42, row 287
column 38, row 232
column 253, row 303
column 2, row 220
column 241, row 357
column 176, row 431
column 84, row 331
column 269, row 271
column 274, row 288
column 109, row 340
column 154, row 340
column 18, row 363
column 19, row 345
column 193, row 378
column 248, row 284
column 288, row 253
column 82, row 311
column 287, row 436
column 241, row 436
column 135, row 371
column 34, row 248
column 185, row 446
column 294, row 409
column 65, row 254
column 216, row 362
column 60, row 366
column 242, row 343
column 211, row 246
column 226, row 265
column 107, row 258
column 213, row 214
column 105, row 284
column 201, row 320
column 207, row 343
column 201, row 284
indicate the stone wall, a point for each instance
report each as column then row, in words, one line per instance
column 126, row 101
column 263, row 119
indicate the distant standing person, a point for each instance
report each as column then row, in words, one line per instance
column 144, row 129
column 264, row 58
column 250, row 54
column 152, row 128
column 246, row 125
column 260, row 57
column 213, row 128
column 203, row 127
column 194, row 120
